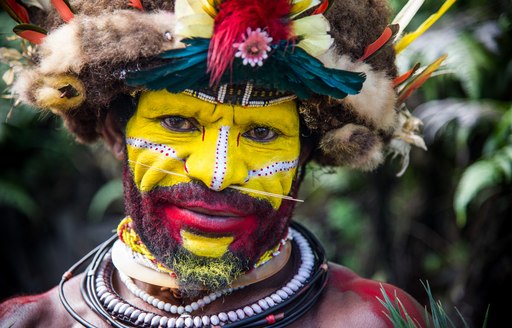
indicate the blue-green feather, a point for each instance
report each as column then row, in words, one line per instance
column 288, row 68
column 186, row 66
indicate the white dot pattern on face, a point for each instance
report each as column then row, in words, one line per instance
column 221, row 150
column 158, row 148
column 221, row 153
column 273, row 168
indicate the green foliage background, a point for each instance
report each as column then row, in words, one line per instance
column 446, row 221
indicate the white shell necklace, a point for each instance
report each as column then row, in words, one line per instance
column 125, row 311
column 168, row 307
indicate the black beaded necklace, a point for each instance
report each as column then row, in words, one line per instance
column 99, row 274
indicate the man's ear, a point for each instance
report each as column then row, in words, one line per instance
column 113, row 135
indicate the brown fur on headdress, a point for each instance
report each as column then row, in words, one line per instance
column 93, row 50
column 82, row 62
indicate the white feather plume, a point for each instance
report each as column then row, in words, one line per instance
column 404, row 17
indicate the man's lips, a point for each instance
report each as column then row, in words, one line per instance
column 206, row 220
column 215, row 213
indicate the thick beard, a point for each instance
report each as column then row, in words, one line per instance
column 195, row 272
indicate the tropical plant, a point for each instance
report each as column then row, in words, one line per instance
column 445, row 220
column 38, row 155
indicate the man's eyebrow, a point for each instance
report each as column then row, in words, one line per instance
column 171, row 107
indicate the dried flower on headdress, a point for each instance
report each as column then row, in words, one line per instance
column 254, row 47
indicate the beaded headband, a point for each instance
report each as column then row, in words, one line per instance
column 246, row 95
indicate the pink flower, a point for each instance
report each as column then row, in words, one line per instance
column 254, row 47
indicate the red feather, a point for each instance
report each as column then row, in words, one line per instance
column 419, row 79
column 322, row 8
column 16, row 11
column 402, row 78
column 136, row 4
column 31, row 33
column 63, row 9
column 410, row 89
column 231, row 23
column 32, row 36
column 383, row 39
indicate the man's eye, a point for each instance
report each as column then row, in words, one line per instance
column 178, row 124
column 261, row 134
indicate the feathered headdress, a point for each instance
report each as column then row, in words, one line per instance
column 245, row 41
column 336, row 57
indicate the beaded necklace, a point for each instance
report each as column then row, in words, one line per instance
column 278, row 309
column 168, row 307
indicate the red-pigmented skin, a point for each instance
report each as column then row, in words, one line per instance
column 348, row 301
column 28, row 311
column 370, row 291
column 45, row 310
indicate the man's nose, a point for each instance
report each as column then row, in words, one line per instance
column 218, row 161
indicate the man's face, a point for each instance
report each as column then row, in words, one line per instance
column 203, row 182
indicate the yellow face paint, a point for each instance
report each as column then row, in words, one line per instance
column 205, row 246
column 175, row 138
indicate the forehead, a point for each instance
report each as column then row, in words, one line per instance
column 155, row 104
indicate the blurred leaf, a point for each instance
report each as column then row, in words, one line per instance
column 340, row 210
column 502, row 133
column 469, row 59
column 432, row 262
column 345, row 216
column 480, row 175
column 436, row 114
column 106, row 195
column 14, row 196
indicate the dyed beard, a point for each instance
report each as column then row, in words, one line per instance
column 195, row 272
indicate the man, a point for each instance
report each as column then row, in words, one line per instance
column 215, row 108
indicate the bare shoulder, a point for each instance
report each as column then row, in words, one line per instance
column 45, row 310
column 352, row 301
column 28, row 311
